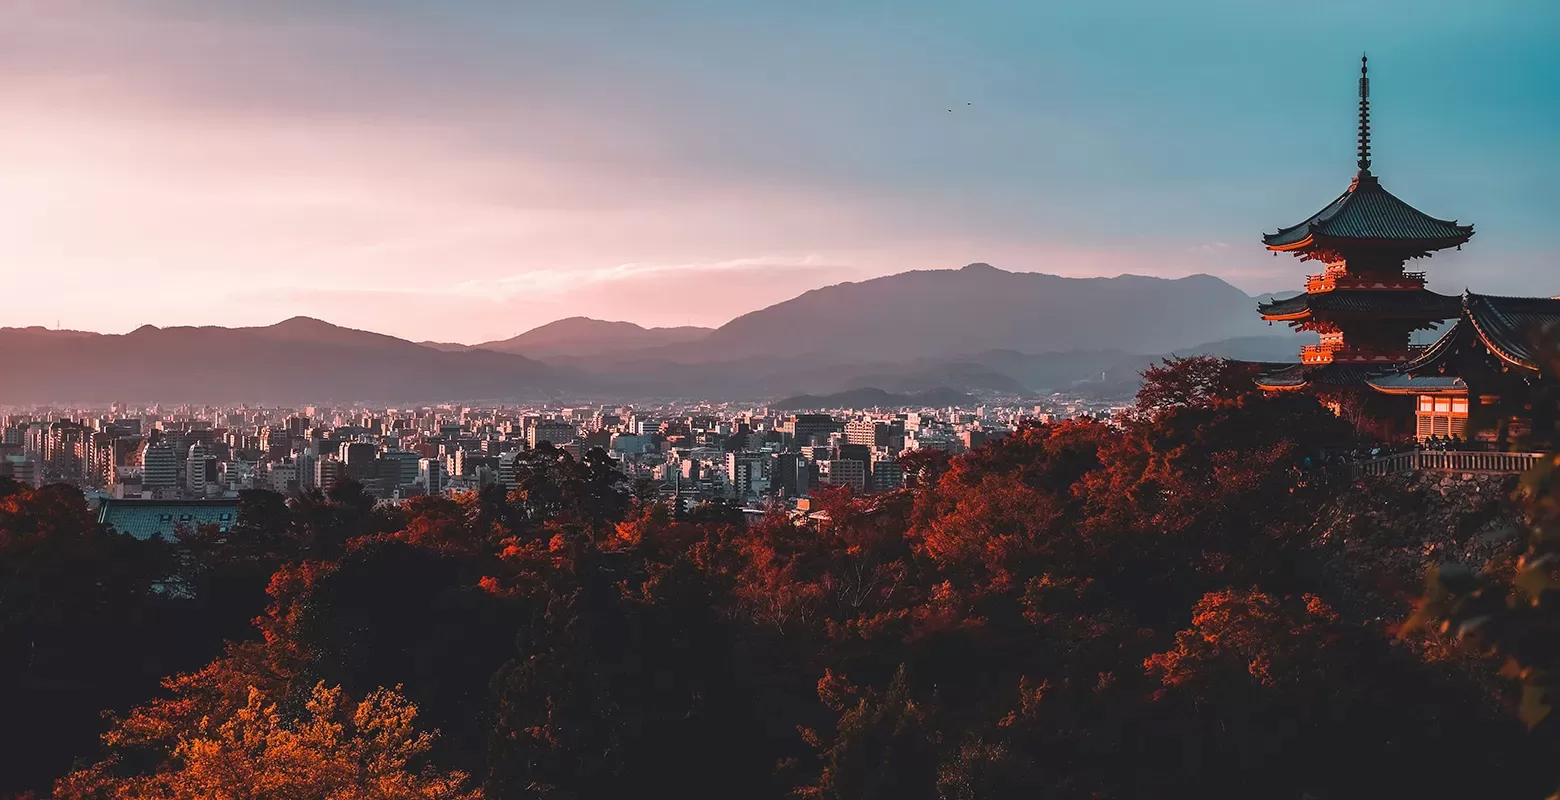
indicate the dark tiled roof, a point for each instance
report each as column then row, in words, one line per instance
column 1502, row 324
column 1367, row 211
column 1289, row 377
column 1403, row 383
column 1416, row 302
column 1338, row 375
column 1344, row 374
column 1507, row 324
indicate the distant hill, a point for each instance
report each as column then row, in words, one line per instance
column 583, row 336
column 446, row 347
column 874, row 398
column 946, row 313
column 300, row 359
column 977, row 329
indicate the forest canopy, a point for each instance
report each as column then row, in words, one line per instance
column 1080, row 610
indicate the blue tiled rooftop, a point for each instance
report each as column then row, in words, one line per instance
column 144, row 519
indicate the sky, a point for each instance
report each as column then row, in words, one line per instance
column 468, row 169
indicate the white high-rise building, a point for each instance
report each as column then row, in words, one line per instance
column 506, row 470
column 195, row 470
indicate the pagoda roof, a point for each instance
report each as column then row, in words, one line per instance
column 1299, row 376
column 1417, row 303
column 1366, row 212
column 1403, row 383
column 1505, row 326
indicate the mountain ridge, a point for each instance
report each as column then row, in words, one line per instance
column 577, row 336
column 978, row 328
column 1016, row 310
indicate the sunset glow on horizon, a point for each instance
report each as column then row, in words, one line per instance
column 468, row 171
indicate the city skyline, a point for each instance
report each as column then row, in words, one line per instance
column 474, row 172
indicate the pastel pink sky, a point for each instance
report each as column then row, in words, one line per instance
column 464, row 172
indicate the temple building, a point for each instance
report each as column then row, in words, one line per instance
column 1364, row 303
column 1481, row 377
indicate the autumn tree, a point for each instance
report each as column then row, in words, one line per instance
column 1193, row 382
column 368, row 750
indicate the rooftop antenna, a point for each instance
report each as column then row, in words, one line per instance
column 1364, row 162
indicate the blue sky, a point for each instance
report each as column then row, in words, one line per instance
column 464, row 170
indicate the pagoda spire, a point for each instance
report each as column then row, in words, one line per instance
column 1364, row 162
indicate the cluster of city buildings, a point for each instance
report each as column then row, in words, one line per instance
column 151, row 469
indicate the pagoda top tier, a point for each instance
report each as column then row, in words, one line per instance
column 1368, row 215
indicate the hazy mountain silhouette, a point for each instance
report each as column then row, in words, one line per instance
column 977, row 329
column 943, row 313
column 583, row 336
column 300, row 359
column 872, row 397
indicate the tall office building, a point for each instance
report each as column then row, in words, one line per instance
column 506, row 470
column 359, row 458
column 745, row 473
column 430, row 473
column 804, row 429
column 402, row 467
column 160, row 468
column 843, row 472
column 327, row 472
column 557, row 432
column 195, row 470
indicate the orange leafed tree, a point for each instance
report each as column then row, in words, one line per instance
column 336, row 749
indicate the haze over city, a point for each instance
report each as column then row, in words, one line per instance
column 464, row 171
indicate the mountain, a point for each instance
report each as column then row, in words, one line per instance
column 583, row 336
column 944, row 313
column 446, row 347
column 300, row 359
column 977, row 329
column 870, row 397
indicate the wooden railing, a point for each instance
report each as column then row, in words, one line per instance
column 1446, row 461
column 1318, row 353
column 1330, row 280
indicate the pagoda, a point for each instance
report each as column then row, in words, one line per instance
column 1364, row 303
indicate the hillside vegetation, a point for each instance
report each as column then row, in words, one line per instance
column 1180, row 607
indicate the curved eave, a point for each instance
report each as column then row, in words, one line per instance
column 1314, row 242
column 1301, row 244
column 1499, row 352
column 1410, row 316
column 1411, row 390
column 1287, row 387
column 1432, row 355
